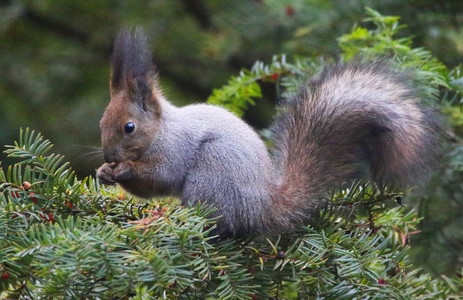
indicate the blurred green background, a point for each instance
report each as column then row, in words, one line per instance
column 54, row 54
column 54, row 70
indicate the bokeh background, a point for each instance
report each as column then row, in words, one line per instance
column 54, row 54
column 54, row 63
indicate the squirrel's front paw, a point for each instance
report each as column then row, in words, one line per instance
column 105, row 174
column 124, row 171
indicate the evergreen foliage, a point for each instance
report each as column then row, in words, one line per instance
column 64, row 238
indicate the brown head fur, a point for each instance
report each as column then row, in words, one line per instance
column 134, row 99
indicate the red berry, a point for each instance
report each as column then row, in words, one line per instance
column 31, row 196
column 381, row 281
column 69, row 204
column 275, row 76
column 5, row 276
column 14, row 194
column 289, row 10
column 50, row 218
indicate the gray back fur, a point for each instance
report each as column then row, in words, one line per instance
column 212, row 156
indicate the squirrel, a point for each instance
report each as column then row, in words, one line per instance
column 354, row 120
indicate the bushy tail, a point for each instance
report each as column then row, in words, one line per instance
column 355, row 121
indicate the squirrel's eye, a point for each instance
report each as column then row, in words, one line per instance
column 129, row 127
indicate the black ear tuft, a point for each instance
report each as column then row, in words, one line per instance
column 131, row 59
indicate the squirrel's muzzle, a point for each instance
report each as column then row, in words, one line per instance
column 109, row 157
column 120, row 155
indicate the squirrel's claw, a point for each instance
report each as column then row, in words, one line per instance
column 105, row 174
column 123, row 171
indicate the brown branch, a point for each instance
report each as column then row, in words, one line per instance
column 59, row 28
column 199, row 11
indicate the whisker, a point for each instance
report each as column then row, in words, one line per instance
column 88, row 146
column 92, row 153
column 95, row 154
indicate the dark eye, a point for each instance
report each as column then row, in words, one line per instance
column 129, row 127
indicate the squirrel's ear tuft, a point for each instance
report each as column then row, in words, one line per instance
column 131, row 61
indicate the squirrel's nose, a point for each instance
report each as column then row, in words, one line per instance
column 109, row 157
column 113, row 156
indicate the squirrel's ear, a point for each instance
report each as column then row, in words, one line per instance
column 133, row 71
column 141, row 93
